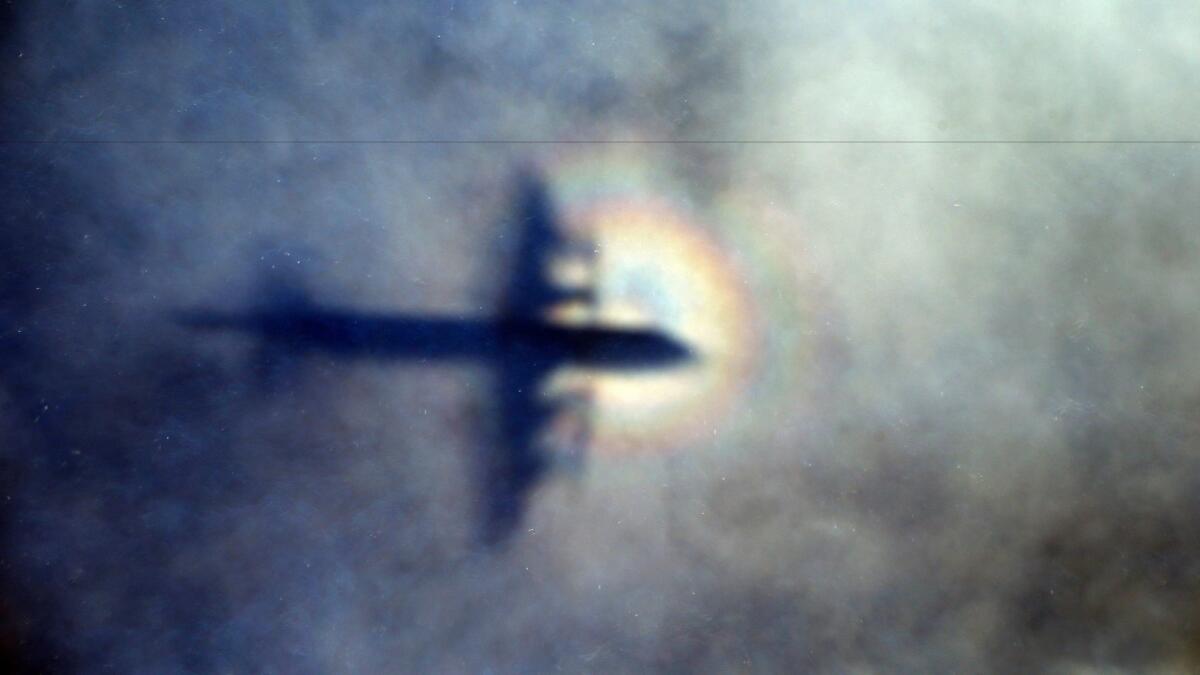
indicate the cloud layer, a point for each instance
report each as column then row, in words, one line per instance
column 991, row 468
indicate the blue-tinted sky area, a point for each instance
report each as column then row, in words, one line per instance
column 938, row 264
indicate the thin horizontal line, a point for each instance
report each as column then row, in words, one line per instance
column 593, row 142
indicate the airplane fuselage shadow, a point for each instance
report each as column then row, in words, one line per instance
column 400, row 337
column 521, row 352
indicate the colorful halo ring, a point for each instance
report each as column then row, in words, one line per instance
column 797, row 339
column 657, row 266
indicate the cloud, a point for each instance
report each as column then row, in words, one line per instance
column 989, row 468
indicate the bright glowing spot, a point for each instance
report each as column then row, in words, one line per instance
column 656, row 269
column 712, row 282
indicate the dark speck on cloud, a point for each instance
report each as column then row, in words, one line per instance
column 942, row 415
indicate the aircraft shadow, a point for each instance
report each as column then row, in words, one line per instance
column 522, row 347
